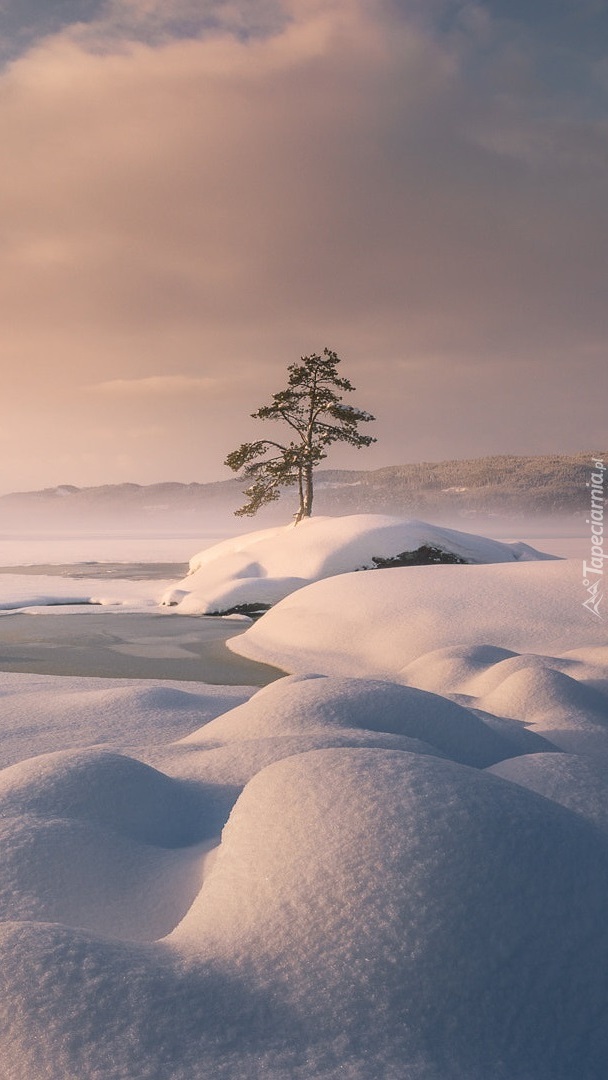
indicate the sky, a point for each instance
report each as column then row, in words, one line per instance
column 195, row 194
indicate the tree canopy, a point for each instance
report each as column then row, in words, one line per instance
column 315, row 416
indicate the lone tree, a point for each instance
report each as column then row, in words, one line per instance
column 311, row 406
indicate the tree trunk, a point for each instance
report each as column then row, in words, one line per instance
column 300, row 513
column 306, row 494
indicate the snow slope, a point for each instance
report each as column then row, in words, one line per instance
column 375, row 907
column 390, row 864
column 264, row 567
column 42, row 713
column 378, row 623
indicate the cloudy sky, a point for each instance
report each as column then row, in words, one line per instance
column 194, row 193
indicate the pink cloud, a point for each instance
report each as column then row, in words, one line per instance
column 185, row 208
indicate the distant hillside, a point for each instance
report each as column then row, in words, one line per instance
column 504, row 486
column 466, row 492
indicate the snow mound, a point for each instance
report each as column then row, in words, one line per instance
column 300, row 704
column 592, row 663
column 576, row 782
column 387, row 892
column 369, row 913
column 453, row 667
column 547, row 697
column 380, row 903
column 43, row 713
column 569, row 712
column 376, row 624
column 74, row 872
column 264, row 567
column 109, row 790
column 232, row 765
column 484, row 680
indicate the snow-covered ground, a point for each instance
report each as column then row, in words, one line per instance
column 391, row 864
column 264, row 567
column 377, row 623
column 29, row 591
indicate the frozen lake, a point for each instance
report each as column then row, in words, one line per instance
column 126, row 635
column 137, row 645
column 136, row 640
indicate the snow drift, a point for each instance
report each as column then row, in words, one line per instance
column 262, row 568
column 389, row 870
column 378, row 904
column 370, row 912
column 377, row 624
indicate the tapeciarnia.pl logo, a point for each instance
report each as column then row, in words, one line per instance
column 593, row 571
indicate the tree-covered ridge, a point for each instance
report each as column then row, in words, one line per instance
column 508, row 485
column 499, row 484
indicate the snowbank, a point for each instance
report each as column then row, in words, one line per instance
column 389, row 870
column 262, row 568
column 370, row 912
column 305, row 704
column 42, row 713
column 376, row 624
column 579, row 783
column 379, row 904
column 27, row 592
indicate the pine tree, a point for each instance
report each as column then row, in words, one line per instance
column 311, row 407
